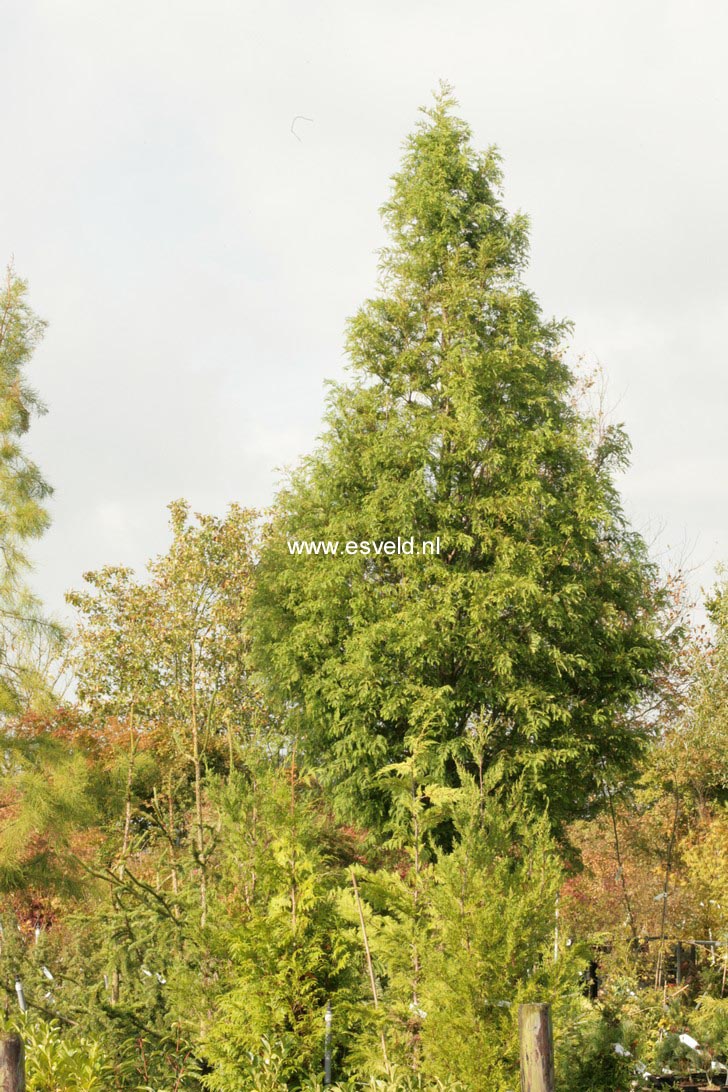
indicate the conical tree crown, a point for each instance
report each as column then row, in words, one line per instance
column 445, row 213
column 458, row 428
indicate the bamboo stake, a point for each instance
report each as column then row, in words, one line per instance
column 370, row 965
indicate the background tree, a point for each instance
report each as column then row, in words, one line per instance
column 540, row 612
column 49, row 794
column 169, row 656
column 162, row 669
column 654, row 862
column 23, row 491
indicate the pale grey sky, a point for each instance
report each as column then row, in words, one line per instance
column 196, row 262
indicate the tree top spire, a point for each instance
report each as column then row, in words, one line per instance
column 445, row 209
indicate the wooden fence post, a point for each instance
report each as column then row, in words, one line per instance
column 12, row 1063
column 537, row 1048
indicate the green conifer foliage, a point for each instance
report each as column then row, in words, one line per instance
column 48, row 793
column 401, row 894
column 23, row 491
column 459, row 423
column 493, row 942
column 284, row 948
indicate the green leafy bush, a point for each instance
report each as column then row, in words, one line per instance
column 58, row 1061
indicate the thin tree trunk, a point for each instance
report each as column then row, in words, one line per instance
column 171, row 835
column 416, row 924
column 665, row 888
column 197, row 765
column 126, row 840
column 231, row 751
column 125, row 843
column 620, row 863
column 294, row 888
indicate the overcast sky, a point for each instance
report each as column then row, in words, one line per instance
column 196, row 261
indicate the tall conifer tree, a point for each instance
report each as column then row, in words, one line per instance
column 23, row 492
column 538, row 615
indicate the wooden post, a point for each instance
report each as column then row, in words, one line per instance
column 537, row 1048
column 12, row 1064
